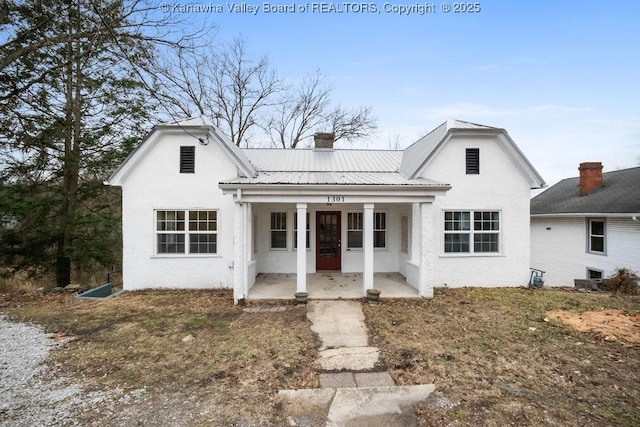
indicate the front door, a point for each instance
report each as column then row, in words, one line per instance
column 328, row 253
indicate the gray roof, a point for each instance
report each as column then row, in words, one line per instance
column 334, row 178
column 297, row 160
column 620, row 193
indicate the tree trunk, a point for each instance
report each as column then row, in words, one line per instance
column 71, row 157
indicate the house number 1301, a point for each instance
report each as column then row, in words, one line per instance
column 335, row 199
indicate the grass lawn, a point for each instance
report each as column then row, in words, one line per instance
column 495, row 361
column 491, row 354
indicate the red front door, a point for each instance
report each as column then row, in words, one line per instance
column 328, row 253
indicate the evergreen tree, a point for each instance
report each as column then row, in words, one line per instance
column 72, row 105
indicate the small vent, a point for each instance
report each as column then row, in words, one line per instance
column 473, row 161
column 187, row 159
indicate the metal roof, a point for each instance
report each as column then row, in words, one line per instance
column 297, row 160
column 334, row 178
column 619, row 193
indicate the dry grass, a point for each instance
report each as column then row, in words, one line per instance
column 496, row 361
column 493, row 358
column 229, row 373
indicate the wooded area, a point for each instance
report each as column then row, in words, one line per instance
column 82, row 81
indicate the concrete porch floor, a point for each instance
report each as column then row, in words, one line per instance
column 329, row 285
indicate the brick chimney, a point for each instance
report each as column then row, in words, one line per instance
column 323, row 140
column 590, row 176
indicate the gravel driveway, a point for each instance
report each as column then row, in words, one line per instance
column 35, row 394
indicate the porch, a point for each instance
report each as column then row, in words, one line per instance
column 329, row 285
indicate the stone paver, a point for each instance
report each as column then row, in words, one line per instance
column 373, row 379
column 353, row 398
column 338, row 380
column 349, row 358
column 338, row 323
column 350, row 404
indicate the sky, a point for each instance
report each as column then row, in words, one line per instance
column 562, row 77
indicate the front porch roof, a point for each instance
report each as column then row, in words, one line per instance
column 332, row 178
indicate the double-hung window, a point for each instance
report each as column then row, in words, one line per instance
column 472, row 232
column 355, row 227
column 278, row 230
column 295, row 231
column 596, row 238
column 186, row 231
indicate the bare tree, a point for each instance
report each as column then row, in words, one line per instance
column 299, row 113
column 308, row 110
column 226, row 85
column 241, row 95
column 351, row 124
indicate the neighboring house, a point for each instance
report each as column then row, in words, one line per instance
column 199, row 212
column 586, row 227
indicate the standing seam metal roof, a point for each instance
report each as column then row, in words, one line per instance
column 297, row 160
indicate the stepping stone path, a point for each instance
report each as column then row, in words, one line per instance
column 355, row 388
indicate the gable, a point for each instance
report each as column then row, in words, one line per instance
column 417, row 157
column 191, row 132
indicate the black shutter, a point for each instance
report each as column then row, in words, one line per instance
column 473, row 161
column 187, row 159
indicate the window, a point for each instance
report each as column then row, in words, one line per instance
column 461, row 235
column 404, row 234
column 354, row 230
column 379, row 230
column 295, row 231
column 355, row 227
column 596, row 236
column 594, row 274
column 174, row 236
column 187, row 159
column 473, row 161
column 278, row 230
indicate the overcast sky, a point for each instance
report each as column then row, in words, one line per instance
column 562, row 77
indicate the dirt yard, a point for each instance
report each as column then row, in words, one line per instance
column 497, row 356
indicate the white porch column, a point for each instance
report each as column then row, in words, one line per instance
column 301, row 271
column 426, row 250
column 415, row 233
column 238, row 252
column 367, row 249
column 246, row 213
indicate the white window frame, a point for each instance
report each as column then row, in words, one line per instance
column 468, row 228
column 186, row 232
column 279, row 230
column 603, row 236
column 361, row 230
column 295, row 231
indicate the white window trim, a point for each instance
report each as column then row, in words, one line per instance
column 186, row 254
column 386, row 231
column 471, row 231
column 588, row 269
column 604, row 236
column 295, row 230
column 286, row 230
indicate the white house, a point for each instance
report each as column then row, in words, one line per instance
column 586, row 227
column 199, row 212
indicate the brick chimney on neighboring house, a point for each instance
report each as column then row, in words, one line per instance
column 590, row 176
column 323, row 140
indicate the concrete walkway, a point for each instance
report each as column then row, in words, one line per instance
column 355, row 388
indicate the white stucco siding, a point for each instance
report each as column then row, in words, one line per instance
column 559, row 246
column 155, row 183
column 284, row 260
column 500, row 186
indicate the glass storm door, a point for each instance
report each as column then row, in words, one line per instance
column 328, row 254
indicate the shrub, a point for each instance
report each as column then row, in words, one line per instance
column 623, row 280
